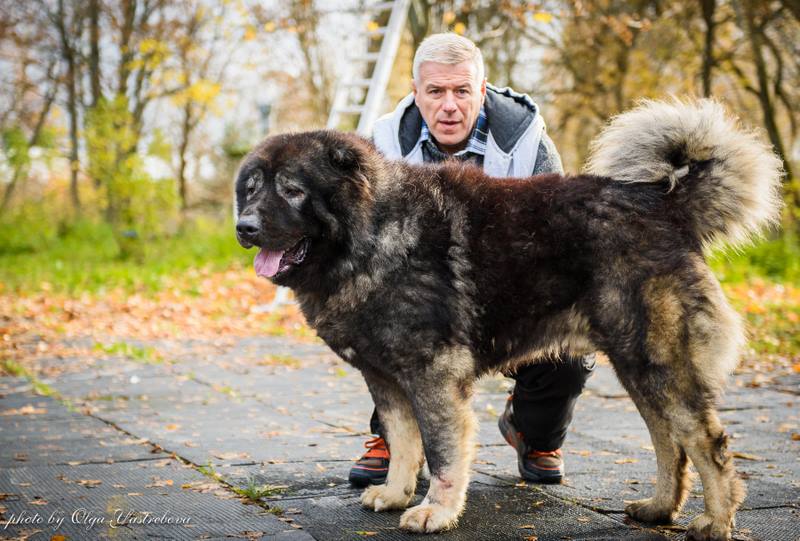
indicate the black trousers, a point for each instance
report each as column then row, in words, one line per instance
column 544, row 399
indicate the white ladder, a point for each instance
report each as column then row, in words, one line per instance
column 344, row 101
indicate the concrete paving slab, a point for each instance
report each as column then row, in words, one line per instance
column 149, row 496
column 299, row 424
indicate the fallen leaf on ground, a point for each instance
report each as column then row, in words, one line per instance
column 25, row 410
column 231, row 455
column 746, row 456
column 160, row 483
column 90, row 483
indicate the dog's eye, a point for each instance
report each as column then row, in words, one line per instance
column 254, row 182
column 293, row 193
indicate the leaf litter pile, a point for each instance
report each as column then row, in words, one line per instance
column 231, row 304
column 197, row 306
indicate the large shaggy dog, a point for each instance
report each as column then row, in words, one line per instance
column 426, row 277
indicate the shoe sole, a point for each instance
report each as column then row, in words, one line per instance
column 363, row 479
column 512, row 438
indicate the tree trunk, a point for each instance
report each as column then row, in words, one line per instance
column 68, row 54
column 94, row 50
column 186, row 129
column 708, row 7
column 34, row 137
column 126, row 31
column 764, row 84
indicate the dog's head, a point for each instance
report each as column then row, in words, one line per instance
column 298, row 198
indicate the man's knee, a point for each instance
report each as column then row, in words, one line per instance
column 565, row 376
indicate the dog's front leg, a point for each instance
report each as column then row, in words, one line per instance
column 447, row 423
column 402, row 434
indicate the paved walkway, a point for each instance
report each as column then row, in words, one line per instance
column 139, row 449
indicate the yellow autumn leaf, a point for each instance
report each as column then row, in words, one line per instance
column 448, row 17
column 459, row 28
column 150, row 45
column 270, row 26
column 542, row 17
column 203, row 91
column 372, row 26
column 249, row 33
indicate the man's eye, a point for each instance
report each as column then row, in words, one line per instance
column 293, row 193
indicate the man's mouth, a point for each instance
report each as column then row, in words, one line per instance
column 272, row 263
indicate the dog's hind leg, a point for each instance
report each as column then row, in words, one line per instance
column 707, row 446
column 405, row 444
column 442, row 403
column 714, row 338
column 691, row 341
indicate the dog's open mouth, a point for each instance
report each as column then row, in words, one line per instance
column 269, row 264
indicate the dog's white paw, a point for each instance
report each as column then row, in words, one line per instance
column 705, row 528
column 429, row 518
column 384, row 498
column 649, row 510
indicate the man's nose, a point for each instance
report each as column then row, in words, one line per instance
column 449, row 105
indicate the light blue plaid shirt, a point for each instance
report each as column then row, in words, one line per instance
column 477, row 141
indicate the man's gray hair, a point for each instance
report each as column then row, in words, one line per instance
column 448, row 48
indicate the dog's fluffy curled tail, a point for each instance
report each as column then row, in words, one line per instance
column 726, row 177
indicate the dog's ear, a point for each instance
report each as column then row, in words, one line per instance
column 343, row 157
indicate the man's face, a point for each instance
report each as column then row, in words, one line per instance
column 449, row 98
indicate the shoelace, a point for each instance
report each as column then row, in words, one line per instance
column 539, row 454
column 377, row 448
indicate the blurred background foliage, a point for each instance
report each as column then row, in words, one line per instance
column 123, row 121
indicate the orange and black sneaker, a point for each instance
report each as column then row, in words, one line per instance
column 535, row 466
column 371, row 469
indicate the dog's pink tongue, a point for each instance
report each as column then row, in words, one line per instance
column 267, row 263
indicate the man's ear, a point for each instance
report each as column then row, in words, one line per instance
column 483, row 89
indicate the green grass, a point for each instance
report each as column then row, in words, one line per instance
column 147, row 355
column 85, row 257
column 280, row 360
column 209, row 471
column 255, row 492
column 41, row 388
column 776, row 259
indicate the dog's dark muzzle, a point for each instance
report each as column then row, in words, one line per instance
column 247, row 230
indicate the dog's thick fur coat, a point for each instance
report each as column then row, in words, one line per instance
column 426, row 277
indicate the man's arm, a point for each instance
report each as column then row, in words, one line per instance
column 547, row 159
